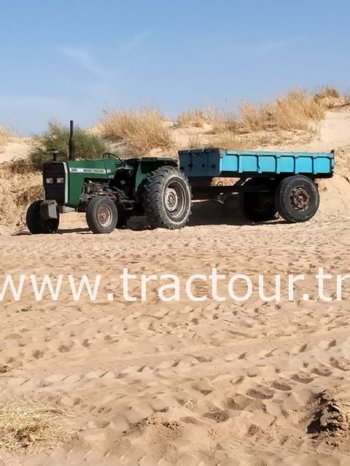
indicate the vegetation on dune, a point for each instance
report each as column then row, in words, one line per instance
column 30, row 195
column 21, row 166
column 139, row 131
column 195, row 118
column 5, row 135
column 296, row 111
column 87, row 146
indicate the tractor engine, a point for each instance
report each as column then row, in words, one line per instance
column 55, row 182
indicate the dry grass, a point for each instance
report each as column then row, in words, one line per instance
column 26, row 427
column 195, row 118
column 295, row 111
column 194, row 141
column 223, row 122
column 219, row 121
column 254, row 118
column 227, row 140
column 20, row 166
column 140, row 131
column 298, row 111
column 330, row 97
column 328, row 91
column 30, row 195
column 5, row 136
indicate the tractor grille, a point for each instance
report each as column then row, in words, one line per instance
column 53, row 175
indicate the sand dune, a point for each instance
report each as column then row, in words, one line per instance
column 204, row 383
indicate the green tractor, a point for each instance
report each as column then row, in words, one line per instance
column 110, row 191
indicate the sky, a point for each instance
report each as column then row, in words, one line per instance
column 75, row 59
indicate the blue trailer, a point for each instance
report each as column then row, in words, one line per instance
column 269, row 183
column 209, row 163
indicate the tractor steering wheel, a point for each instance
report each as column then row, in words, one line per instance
column 109, row 155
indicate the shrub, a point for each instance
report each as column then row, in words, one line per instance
column 140, row 131
column 329, row 97
column 4, row 135
column 194, row 118
column 224, row 122
column 295, row 111
column 30, row 195
column 328, row 91
column 194, row 141
column 20, row 166
column 228, row 140
column 87, row 146
column 255, row 117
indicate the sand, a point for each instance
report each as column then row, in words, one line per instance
column 15, row 150
column 188, row 383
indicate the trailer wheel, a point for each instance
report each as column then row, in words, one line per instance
column 259, row 206
column 297, row 198
column 167, row 198
column 38, row 225
column 102, row 215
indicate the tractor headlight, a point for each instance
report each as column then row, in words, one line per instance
column 49, row 181
column 60, row 180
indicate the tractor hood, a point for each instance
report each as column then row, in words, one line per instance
column 104, row 168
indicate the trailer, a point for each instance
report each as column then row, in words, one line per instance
column 269, row 183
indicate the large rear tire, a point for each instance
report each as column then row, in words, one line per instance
column 102, row 215
column 297, row 198
column 259, row 206
column 167, row 199
column 38, row 225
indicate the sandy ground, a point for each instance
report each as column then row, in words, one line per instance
column 189, row 383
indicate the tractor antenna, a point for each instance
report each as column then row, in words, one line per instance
column 71, row 150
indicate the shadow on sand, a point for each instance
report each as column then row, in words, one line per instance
column 203, row 213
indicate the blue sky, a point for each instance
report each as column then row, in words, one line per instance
column 76, row 59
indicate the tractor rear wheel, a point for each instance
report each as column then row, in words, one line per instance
column 167, row 198
column 259, row 206
column 102, row 215
column 38, row 225
column 297, row 198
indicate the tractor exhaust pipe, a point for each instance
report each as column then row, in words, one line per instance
column 71, row 147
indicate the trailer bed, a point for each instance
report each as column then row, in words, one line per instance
column 209, row 163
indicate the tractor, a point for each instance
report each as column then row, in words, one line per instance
column 110, row 191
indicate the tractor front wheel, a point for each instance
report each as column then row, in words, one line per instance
column 102, row 215
column 167, row 198
column 38, row 225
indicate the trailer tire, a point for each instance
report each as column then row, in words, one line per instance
column 167, row 198
column 259, row 206
column 297, row 198
column 36, row 224
column 102, row 215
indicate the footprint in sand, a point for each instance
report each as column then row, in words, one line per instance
column 217, row 415
column 261, row 393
